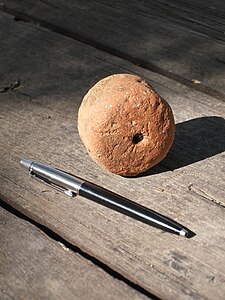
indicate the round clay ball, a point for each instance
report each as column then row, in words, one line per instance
column 125, row 125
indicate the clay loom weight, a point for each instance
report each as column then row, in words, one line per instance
column 125, row 125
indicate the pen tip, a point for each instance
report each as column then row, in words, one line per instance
column 26, row 163
column 183, row 232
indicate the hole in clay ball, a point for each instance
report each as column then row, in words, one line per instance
column 137, row 138
column 139, row 80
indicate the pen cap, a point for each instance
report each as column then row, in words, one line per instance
column 26, row 163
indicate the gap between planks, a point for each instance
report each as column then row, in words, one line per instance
column 56, row 237
column 21, row 16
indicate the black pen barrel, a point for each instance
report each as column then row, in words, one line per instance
column 128, row 207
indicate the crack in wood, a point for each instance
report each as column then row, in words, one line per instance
column 13, row 87
column 10, row 87
column 203, row 194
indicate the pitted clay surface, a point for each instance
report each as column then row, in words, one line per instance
column 125, row 125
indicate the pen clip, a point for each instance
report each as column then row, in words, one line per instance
column 52, row 185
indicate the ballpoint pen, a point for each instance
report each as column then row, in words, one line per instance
column 72, row 186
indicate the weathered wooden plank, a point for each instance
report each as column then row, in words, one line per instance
column 34, row 266
column 181, row 40
column 38, row 121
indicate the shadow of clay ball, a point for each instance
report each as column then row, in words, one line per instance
column 125, row 125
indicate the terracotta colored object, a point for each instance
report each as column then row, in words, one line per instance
column 125, row 125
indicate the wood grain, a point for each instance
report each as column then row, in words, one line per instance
column 33, row 266
column 38, row 121
column 181, row 40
